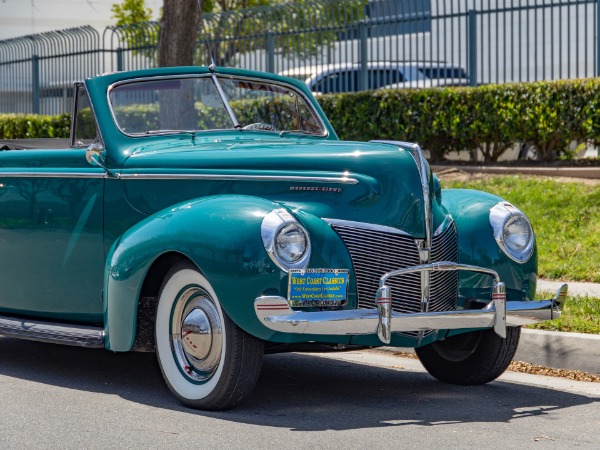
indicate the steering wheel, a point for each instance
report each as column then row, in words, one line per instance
column 260, row 126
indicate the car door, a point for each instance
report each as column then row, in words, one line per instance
column 51, row 216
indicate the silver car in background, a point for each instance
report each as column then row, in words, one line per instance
column 348, row 77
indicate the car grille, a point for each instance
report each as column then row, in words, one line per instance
column 375, row 252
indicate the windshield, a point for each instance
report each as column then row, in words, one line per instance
column 168, row 105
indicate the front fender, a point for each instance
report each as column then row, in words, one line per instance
column 477, row 246
column 220, row 234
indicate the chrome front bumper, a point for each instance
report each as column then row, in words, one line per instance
column 275, row 313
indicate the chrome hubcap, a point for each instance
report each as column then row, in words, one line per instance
column 196, row 334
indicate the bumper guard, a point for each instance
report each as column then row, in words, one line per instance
column 275, row 313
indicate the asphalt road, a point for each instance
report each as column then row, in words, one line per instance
column 70, row 398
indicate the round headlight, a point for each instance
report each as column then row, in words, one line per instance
column 512, row 231
column 517, row 233
column 286, row 241
column 291, row 243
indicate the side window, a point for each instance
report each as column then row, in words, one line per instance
column 84, row 130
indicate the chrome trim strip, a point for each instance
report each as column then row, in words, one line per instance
column 56, row 333
column 101, row 174
column 175, row 176
column 444, row 225
column 225, row 101
column 221, row 177
column 365, row 226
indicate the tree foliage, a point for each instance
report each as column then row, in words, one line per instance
column 131, row 12
column 233, row 28
column 300, row 28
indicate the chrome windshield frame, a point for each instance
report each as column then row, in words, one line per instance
column 215, row 79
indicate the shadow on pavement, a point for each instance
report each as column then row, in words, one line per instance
column 295, row 391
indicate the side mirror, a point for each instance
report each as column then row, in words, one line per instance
column 93, row 155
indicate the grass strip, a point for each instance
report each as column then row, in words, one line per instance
column 581, row 314
column 565, row 216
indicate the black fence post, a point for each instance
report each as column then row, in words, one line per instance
column 119, row 59
column 472, row 47
column 364, row 56
column 597, row 68
column 270, row 52
column 35, row 83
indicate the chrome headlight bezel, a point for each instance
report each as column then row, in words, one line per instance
column 273, row 225
column 504, row 216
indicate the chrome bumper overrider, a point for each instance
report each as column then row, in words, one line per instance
column 275, row 313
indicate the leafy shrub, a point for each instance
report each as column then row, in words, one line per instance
column 26, row 126
column 491, row 118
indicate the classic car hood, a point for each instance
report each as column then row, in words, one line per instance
column 331, row 179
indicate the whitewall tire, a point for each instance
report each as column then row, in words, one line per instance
column 207, row 361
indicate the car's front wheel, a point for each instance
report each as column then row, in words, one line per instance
column 207, row 361
column 472, row 358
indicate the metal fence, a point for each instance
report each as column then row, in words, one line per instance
column 492, row 41
column 37, row 71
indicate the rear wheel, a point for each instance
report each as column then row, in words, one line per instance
column 207, row 361
column 471, row 358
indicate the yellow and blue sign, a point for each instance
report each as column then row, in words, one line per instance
column 318, row 287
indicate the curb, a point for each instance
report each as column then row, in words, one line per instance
column 555, row 349
column 560, row 350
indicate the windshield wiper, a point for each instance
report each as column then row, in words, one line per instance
column 192, row 132
column 303, row 132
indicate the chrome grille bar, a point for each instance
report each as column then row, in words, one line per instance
column 444, row 285
column 378, row 250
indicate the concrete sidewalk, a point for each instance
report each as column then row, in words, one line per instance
column 575, row 288
column 591, row 173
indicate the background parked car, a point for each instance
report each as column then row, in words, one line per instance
column 348, row 77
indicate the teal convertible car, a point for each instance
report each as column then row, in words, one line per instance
column 212, row 214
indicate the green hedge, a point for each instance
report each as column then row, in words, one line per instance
column 492, row 118
column 26, row 126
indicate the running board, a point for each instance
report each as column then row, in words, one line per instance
column 55, row 333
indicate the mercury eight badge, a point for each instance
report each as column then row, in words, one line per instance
column 211, row 214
